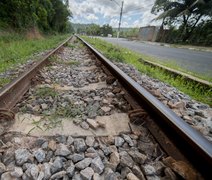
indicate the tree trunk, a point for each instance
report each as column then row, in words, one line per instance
column 188, row 33
column 184, row 28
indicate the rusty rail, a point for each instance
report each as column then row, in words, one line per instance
column 197, row 149
column 13, row 92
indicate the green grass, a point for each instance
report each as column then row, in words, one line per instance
column 68, row 111
column 115, row 53
column 72, row 46
column 43, row 92
column 69, row 62
column 46, row 123
column 4, row 81
column 16, row 49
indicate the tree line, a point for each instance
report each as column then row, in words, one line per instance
column 96, row 30
column 105, row 30
column 189, row 21
column 46, row 15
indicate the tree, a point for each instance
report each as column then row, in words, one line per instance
column 186, row 13
column 106, row 29
column 93, row 30
column 133, row 32
column 60, row 16
column 47, row 15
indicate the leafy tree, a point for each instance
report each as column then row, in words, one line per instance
column 60, row 16
column 186, row 13
column 47, row 15
column 93, row 30
column 106, row 29
column 133, row 32
column 80, row 30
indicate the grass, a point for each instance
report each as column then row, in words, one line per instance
column 69, row 62
column 16, row 49
column 118, row 54
column 72, row 46
column 46, row 123
column 43, row 92
column 4, row 81
column 68, row 111
column 55, row 120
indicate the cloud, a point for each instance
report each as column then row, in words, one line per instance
column 91, row 17
column 114, row 22
column 135, row 13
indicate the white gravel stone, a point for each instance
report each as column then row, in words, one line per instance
column 22, row 156
column 2, row 168
column 39, row 155
column 83, row 164
column 89, row 141
column 92, row 123
column 87, row 173
column 46, row 170
column 62, row 150
column 105, row 108
column 132, row 176
column 7, row 176
column 17, row 172
column 149, row 170
column 119, row 141
column 58, row 175
column 115, row 159
column 97, row 165
column 128, row 139
column 70, row 140
column 79, row 145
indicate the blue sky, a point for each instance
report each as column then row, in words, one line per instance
column 136, row 13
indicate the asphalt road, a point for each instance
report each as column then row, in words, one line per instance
column 192, row 60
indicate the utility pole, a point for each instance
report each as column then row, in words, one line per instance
column 122, row 4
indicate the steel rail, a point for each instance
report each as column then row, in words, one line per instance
column 197, row 148
column 13, row 92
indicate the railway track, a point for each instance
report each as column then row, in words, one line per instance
column 75, row 115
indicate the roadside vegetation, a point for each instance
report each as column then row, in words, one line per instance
column 116, row 53
column 94, row 29
column 189, row 22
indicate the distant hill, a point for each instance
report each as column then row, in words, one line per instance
column 83, row 26
column 124, row 29
column 80, row 26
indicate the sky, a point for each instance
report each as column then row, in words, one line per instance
column 136, row 13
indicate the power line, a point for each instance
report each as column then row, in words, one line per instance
column 121, row 13
column 133, row 9
column 132, row 13
column 115, row 2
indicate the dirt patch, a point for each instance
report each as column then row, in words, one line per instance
column 93, row 86
column 114, row 124
column 33, row 33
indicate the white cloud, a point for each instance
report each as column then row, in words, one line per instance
column 114, row 22
column 135, row 13
column 91, row 17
